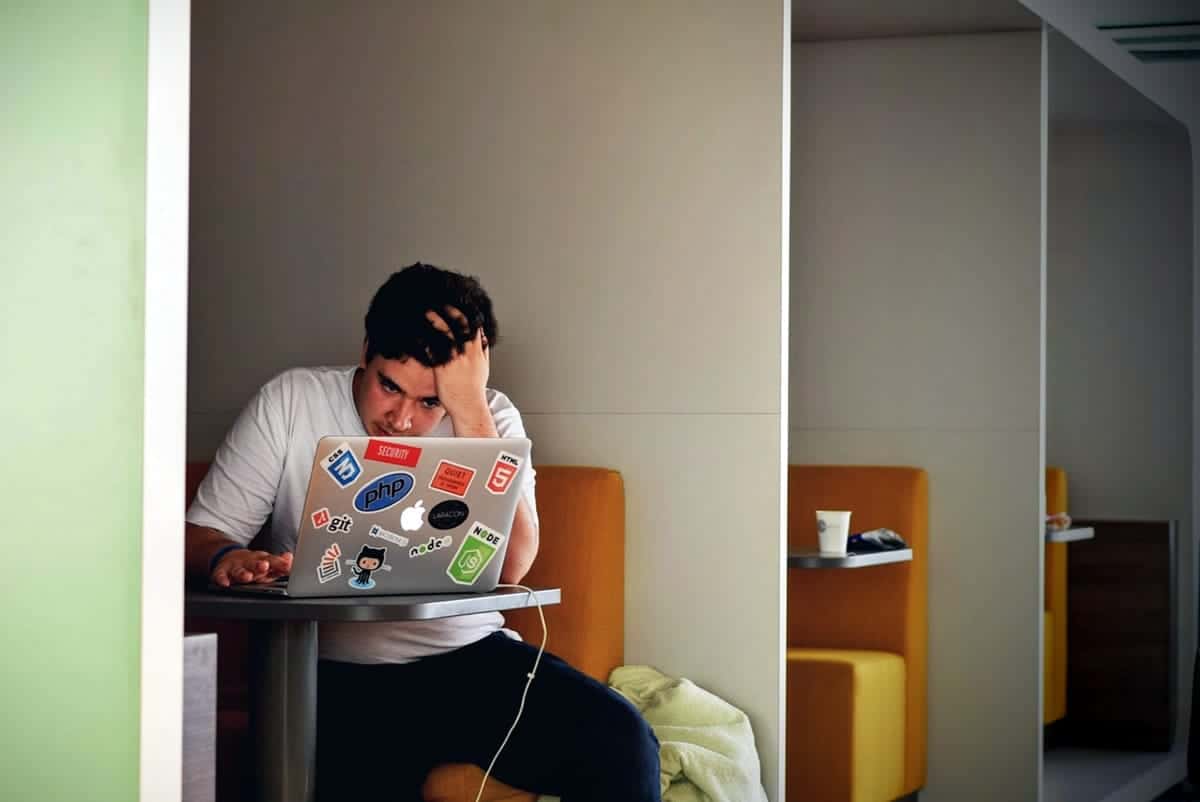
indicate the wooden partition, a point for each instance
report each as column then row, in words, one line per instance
column 1121, row 654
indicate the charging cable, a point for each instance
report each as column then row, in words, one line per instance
column 537, row 660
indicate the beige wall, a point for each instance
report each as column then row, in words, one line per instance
column 915, row 339
column 615, row 176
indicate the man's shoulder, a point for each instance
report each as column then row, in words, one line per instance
column 303, row 380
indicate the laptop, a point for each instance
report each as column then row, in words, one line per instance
column 396, row 515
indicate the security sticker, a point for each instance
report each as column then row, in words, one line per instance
column 393, row 453
column 503, row 472
column 448, row 514
column 341, row 523
column 369, row 560
column 391, row 537
column 342, row 466
column 452, row 478
column 320, row 518
column 430, row 546
column 330, row 566
column 474, row 554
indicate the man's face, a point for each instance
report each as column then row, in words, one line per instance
column 397, row 398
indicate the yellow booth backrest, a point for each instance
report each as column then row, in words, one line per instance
column 881, row 608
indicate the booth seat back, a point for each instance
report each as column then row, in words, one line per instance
column 1054, row 696
column 881, row 608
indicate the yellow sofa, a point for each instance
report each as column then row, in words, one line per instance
column 857, row 642
column 1054, row 632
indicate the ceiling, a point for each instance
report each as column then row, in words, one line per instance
column 1082, row 90
column 814, row 20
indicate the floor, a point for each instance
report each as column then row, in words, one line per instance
column 1093, row 775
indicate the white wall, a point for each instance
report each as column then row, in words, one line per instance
column 915, row 339
column 614, row 173
column 1119, row 291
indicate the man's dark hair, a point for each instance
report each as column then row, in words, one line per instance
column 396, row 324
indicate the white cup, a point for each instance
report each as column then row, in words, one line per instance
column 833, row 530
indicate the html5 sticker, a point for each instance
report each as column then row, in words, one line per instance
column 452, row 478
column 503, row 472
column 392, row 453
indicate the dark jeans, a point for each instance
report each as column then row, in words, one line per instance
column 382, row 728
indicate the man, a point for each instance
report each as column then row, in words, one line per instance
column 397, row 699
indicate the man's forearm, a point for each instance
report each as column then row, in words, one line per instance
column 200, row 543
column 522, row 546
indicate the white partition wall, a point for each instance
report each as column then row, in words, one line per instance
column 916, row 286
column 615, row 175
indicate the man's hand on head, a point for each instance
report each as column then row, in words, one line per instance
column 243, row 566
column 462, row 382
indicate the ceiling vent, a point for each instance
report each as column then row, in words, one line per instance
column 1157, row 42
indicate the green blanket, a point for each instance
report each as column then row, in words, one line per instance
column 706, row 745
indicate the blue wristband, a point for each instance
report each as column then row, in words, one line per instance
column 221, row 552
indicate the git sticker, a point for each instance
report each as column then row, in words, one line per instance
column 474, row 553
column 503, row 472
column 342, row 466
column 452, row 478
column 330, row 566
column 341, row 523
column 320, row 518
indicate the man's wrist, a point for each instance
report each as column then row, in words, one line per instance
column 474, row 422
column 220, row 553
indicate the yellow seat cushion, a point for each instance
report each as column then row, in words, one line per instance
column 454, row 782
column 845, row 725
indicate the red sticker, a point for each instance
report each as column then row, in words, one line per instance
column 503, row 471
column 320, row 518
column 452, row 478
column 393, row 453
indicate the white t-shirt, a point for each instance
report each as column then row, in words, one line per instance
column 262, row 469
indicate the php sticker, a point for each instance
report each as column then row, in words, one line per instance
column 369, row 560
column 320, row 518
column 448, row 514
column 342, row 466
column 383, row 492
column 432, row 545
column 391, row 537
column 474, row 554
column 330, row 566
column 503, row 472
column 393, row 453
column 452, row 478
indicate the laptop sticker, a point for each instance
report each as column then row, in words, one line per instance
column 433, row 544
column 391, row 537
column 413, row 518
column 341, row 523
column 393, row 453
column 320, row 518
column 448, row 514
column 452, row 478
column 384, row 492
column 503, row 472
column 330, row 566
column 369, row 560
column 342, row 466
column 474, row 554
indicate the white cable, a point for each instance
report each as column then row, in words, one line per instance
column 524, row 693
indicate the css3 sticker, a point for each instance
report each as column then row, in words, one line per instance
column 381, row 493
column 503, row 471
column 342, row 466
column 474, row 553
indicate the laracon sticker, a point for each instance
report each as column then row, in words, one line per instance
column 452, row 478
column 320, row 518
column 330, row 566
column 391, row 537
column 433, row 544
column 383, row 492
column 341, row 523
column 369, row 560
column 449, row 514
column 474, row 554
column 342, row 466
column 503, row 472
column 393, row 453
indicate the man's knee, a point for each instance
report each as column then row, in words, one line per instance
column 632, row 752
